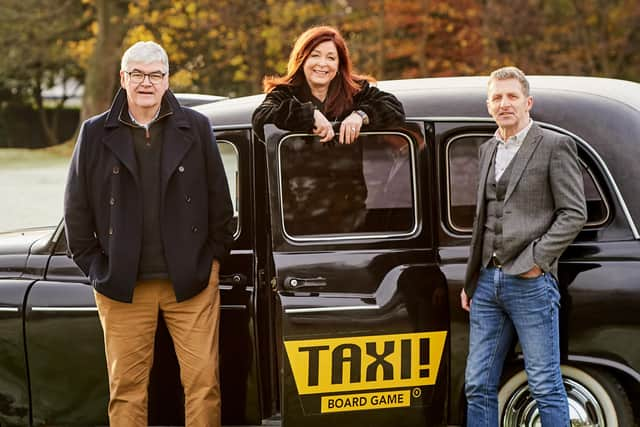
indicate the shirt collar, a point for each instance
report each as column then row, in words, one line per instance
column 135, row 122
column 125, row 115
column 516, row 139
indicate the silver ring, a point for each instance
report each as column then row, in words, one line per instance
column 353, row 129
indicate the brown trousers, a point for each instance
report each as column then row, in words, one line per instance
column 129, row 332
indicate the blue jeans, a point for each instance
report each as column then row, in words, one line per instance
column 503, row 306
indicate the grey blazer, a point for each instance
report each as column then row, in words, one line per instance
column 544, row 206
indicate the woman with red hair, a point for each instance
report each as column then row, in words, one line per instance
column 320, row 87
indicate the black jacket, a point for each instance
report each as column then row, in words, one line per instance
column 291, row 108
column 103, row 202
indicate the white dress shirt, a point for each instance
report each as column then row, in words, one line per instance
column 508, row 149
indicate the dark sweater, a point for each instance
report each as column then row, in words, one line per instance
column 291, row 108
column 147, row 144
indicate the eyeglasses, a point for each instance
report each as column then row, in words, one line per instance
column 138, row 76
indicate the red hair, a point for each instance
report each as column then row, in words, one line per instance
column 343, row 86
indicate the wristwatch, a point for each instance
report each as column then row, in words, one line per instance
column 363, row 115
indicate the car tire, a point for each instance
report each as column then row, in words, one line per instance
column 596, row 398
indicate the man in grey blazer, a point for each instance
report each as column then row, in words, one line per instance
column 530, row 207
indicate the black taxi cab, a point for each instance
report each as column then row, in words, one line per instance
column 340, row 297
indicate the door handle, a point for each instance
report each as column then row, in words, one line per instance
column 236, row 279
column 306, row 282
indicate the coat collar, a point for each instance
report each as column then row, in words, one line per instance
column 119, row 101
column 520, row 161
column 118, row 138
column 177, row 140
column 522, row 157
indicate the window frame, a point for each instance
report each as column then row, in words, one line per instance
column 457, row 230
column 238, row 195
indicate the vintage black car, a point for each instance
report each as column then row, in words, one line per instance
column 340, row 297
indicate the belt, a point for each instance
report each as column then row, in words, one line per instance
column 493, row 262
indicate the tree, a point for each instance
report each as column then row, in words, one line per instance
column 34, row 39
column 103, row 66
column 226, row 47
column 576, row 37
column 400, row 39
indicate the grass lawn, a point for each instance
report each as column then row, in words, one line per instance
column 30, row 158
column 32, row 186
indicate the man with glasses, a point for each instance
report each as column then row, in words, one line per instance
column 148, row 219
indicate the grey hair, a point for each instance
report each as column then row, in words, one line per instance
column 145, row 53
column 506, row 73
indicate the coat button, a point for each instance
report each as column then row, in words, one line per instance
column 110, row 231
column 116, row 170
column 181, row 169
column 112, row 201
column 194, row 229
column 187, row 199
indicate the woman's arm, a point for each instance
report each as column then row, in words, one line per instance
column 281, row 108
column 382, row 108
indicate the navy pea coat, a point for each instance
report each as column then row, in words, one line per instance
column 103, row 209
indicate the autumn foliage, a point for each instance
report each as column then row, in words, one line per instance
column 225, row 47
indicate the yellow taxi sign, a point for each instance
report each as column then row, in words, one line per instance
column 365, row 363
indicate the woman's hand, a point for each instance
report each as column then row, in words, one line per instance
column 322, row 127
column 350, row 128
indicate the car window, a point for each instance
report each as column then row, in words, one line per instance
column 230, row 159
column 597, row 207
column 360, row 190
column 462, row 185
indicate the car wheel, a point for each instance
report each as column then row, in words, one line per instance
column 595, row 397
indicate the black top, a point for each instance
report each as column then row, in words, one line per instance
column 291, row 108
column 147, row 143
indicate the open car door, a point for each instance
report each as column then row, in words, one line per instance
column 361, row 304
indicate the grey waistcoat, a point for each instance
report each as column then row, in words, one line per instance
column 494, row 197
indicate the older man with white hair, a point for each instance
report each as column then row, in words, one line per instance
column 148, row 219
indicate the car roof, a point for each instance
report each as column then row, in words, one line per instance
column 193, row 99
column 464, row 96
column 234, row 111
column 602, row 112
column 623, row 91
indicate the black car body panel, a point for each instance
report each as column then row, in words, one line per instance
column 340, row 299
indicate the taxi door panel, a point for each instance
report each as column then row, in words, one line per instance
column 362, row 305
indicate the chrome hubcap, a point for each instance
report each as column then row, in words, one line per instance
column 585, row 411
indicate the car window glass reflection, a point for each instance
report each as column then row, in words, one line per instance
column 229, row 154
column 363, row 188
column 462, row 184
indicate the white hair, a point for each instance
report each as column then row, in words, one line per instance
column 145, row 53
